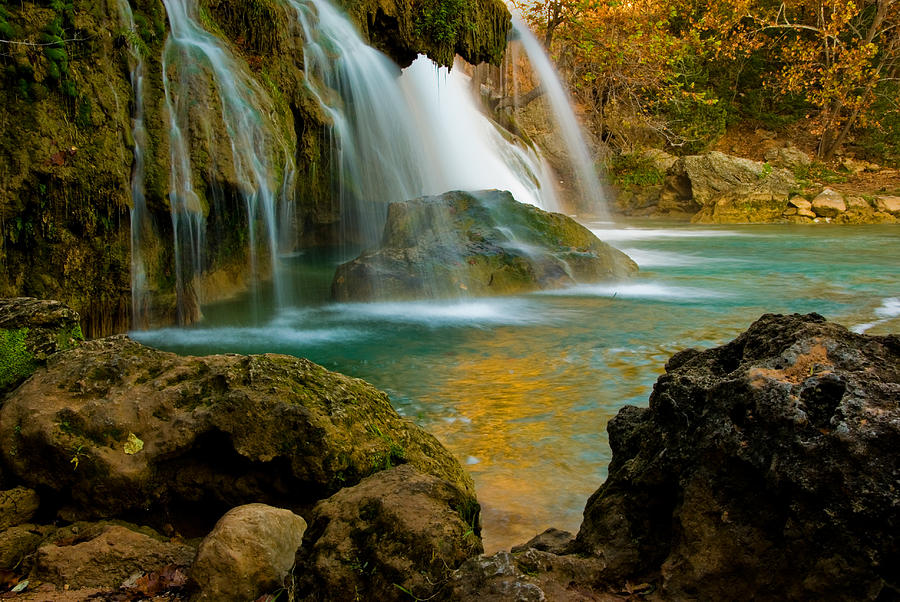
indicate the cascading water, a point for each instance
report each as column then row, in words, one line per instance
column 139, row 218
column 398, row 135
column 589, row 185
column 191, row 55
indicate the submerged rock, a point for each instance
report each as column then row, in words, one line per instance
column 397, row 534
column 114, row 428
column 475, row 243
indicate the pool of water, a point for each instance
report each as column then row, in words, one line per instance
column 521, row 388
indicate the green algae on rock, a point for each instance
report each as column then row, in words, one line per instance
column 217, row 431
column 476, row 243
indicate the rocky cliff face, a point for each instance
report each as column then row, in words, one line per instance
column 67, row 153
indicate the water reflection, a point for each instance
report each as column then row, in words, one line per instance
column 521, row 388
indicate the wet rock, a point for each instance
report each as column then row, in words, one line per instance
column 555, row 541
column 743, row 206
column 480, row 243
column 829, row 203
column 248, row 553
column 395, row 532
column 31, row 330
column 17, row 506
column 107, row 559
column 115, row 428
column 762, row 469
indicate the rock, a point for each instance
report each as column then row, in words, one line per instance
column 800, row 203
column 248, row 553
column 17, row 543
column 661, row 160
column 397, row 533
column 31, row 330
column 529, row 574
column 713, row 174
column 857, row 167
column 762, row 469
column 115, row 428
column 555, row 541
column 789, row 157
column 107, row 559
column 17, row 506
column 806, row 213
column 478, row 243
column 829, row 203
column 888, row 204
column 743, row 205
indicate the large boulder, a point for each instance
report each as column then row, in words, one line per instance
column 475, row 243
column 396, row 535
column 762, row 469
column 114, row 428
column 31, row 330
column 248, row 553
column 715, row 173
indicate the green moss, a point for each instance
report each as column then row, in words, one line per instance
column 634, row 170
column 16, row 362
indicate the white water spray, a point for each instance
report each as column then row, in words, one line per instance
column 139, row 217
column 191, row 55
column 397, row 136
column 589, row 185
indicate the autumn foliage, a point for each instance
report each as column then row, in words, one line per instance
column 680, row 71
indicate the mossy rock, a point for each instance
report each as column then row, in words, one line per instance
column 31, row 330
column 476, row 244
column 114, row 428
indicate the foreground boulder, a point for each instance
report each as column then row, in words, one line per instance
column 475, row 243
column 31, row 330
column 248, row 553
column 395, row 536
column 763, row 469
column 114, row 428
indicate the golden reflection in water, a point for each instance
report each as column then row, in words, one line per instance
column 534, row 446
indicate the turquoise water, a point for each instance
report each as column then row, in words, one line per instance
column 521, row 388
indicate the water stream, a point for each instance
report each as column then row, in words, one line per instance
column 198, row 68
column 400, row 135
column 521, row 388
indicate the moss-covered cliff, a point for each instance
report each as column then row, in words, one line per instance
column 67, row 150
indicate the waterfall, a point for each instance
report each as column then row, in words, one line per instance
column 399, row 135
column 190, row 57
column 139, row 217
column 589, row 186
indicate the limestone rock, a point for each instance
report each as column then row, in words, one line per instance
column 17, row 506
column 715, row 173
column 248, row 553
column 762, row 469
column 108, row 559
column 788, row 156
column 214, row 430
column 829, row 203
column 889, row 204
column 800, row 203
column 662, row 160
column 397, row 529
column 743, row 205
column 17, row 543
column 31, row 330
column 479, row 243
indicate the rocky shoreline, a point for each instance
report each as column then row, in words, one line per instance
column 764, row 468
column 716, row 188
